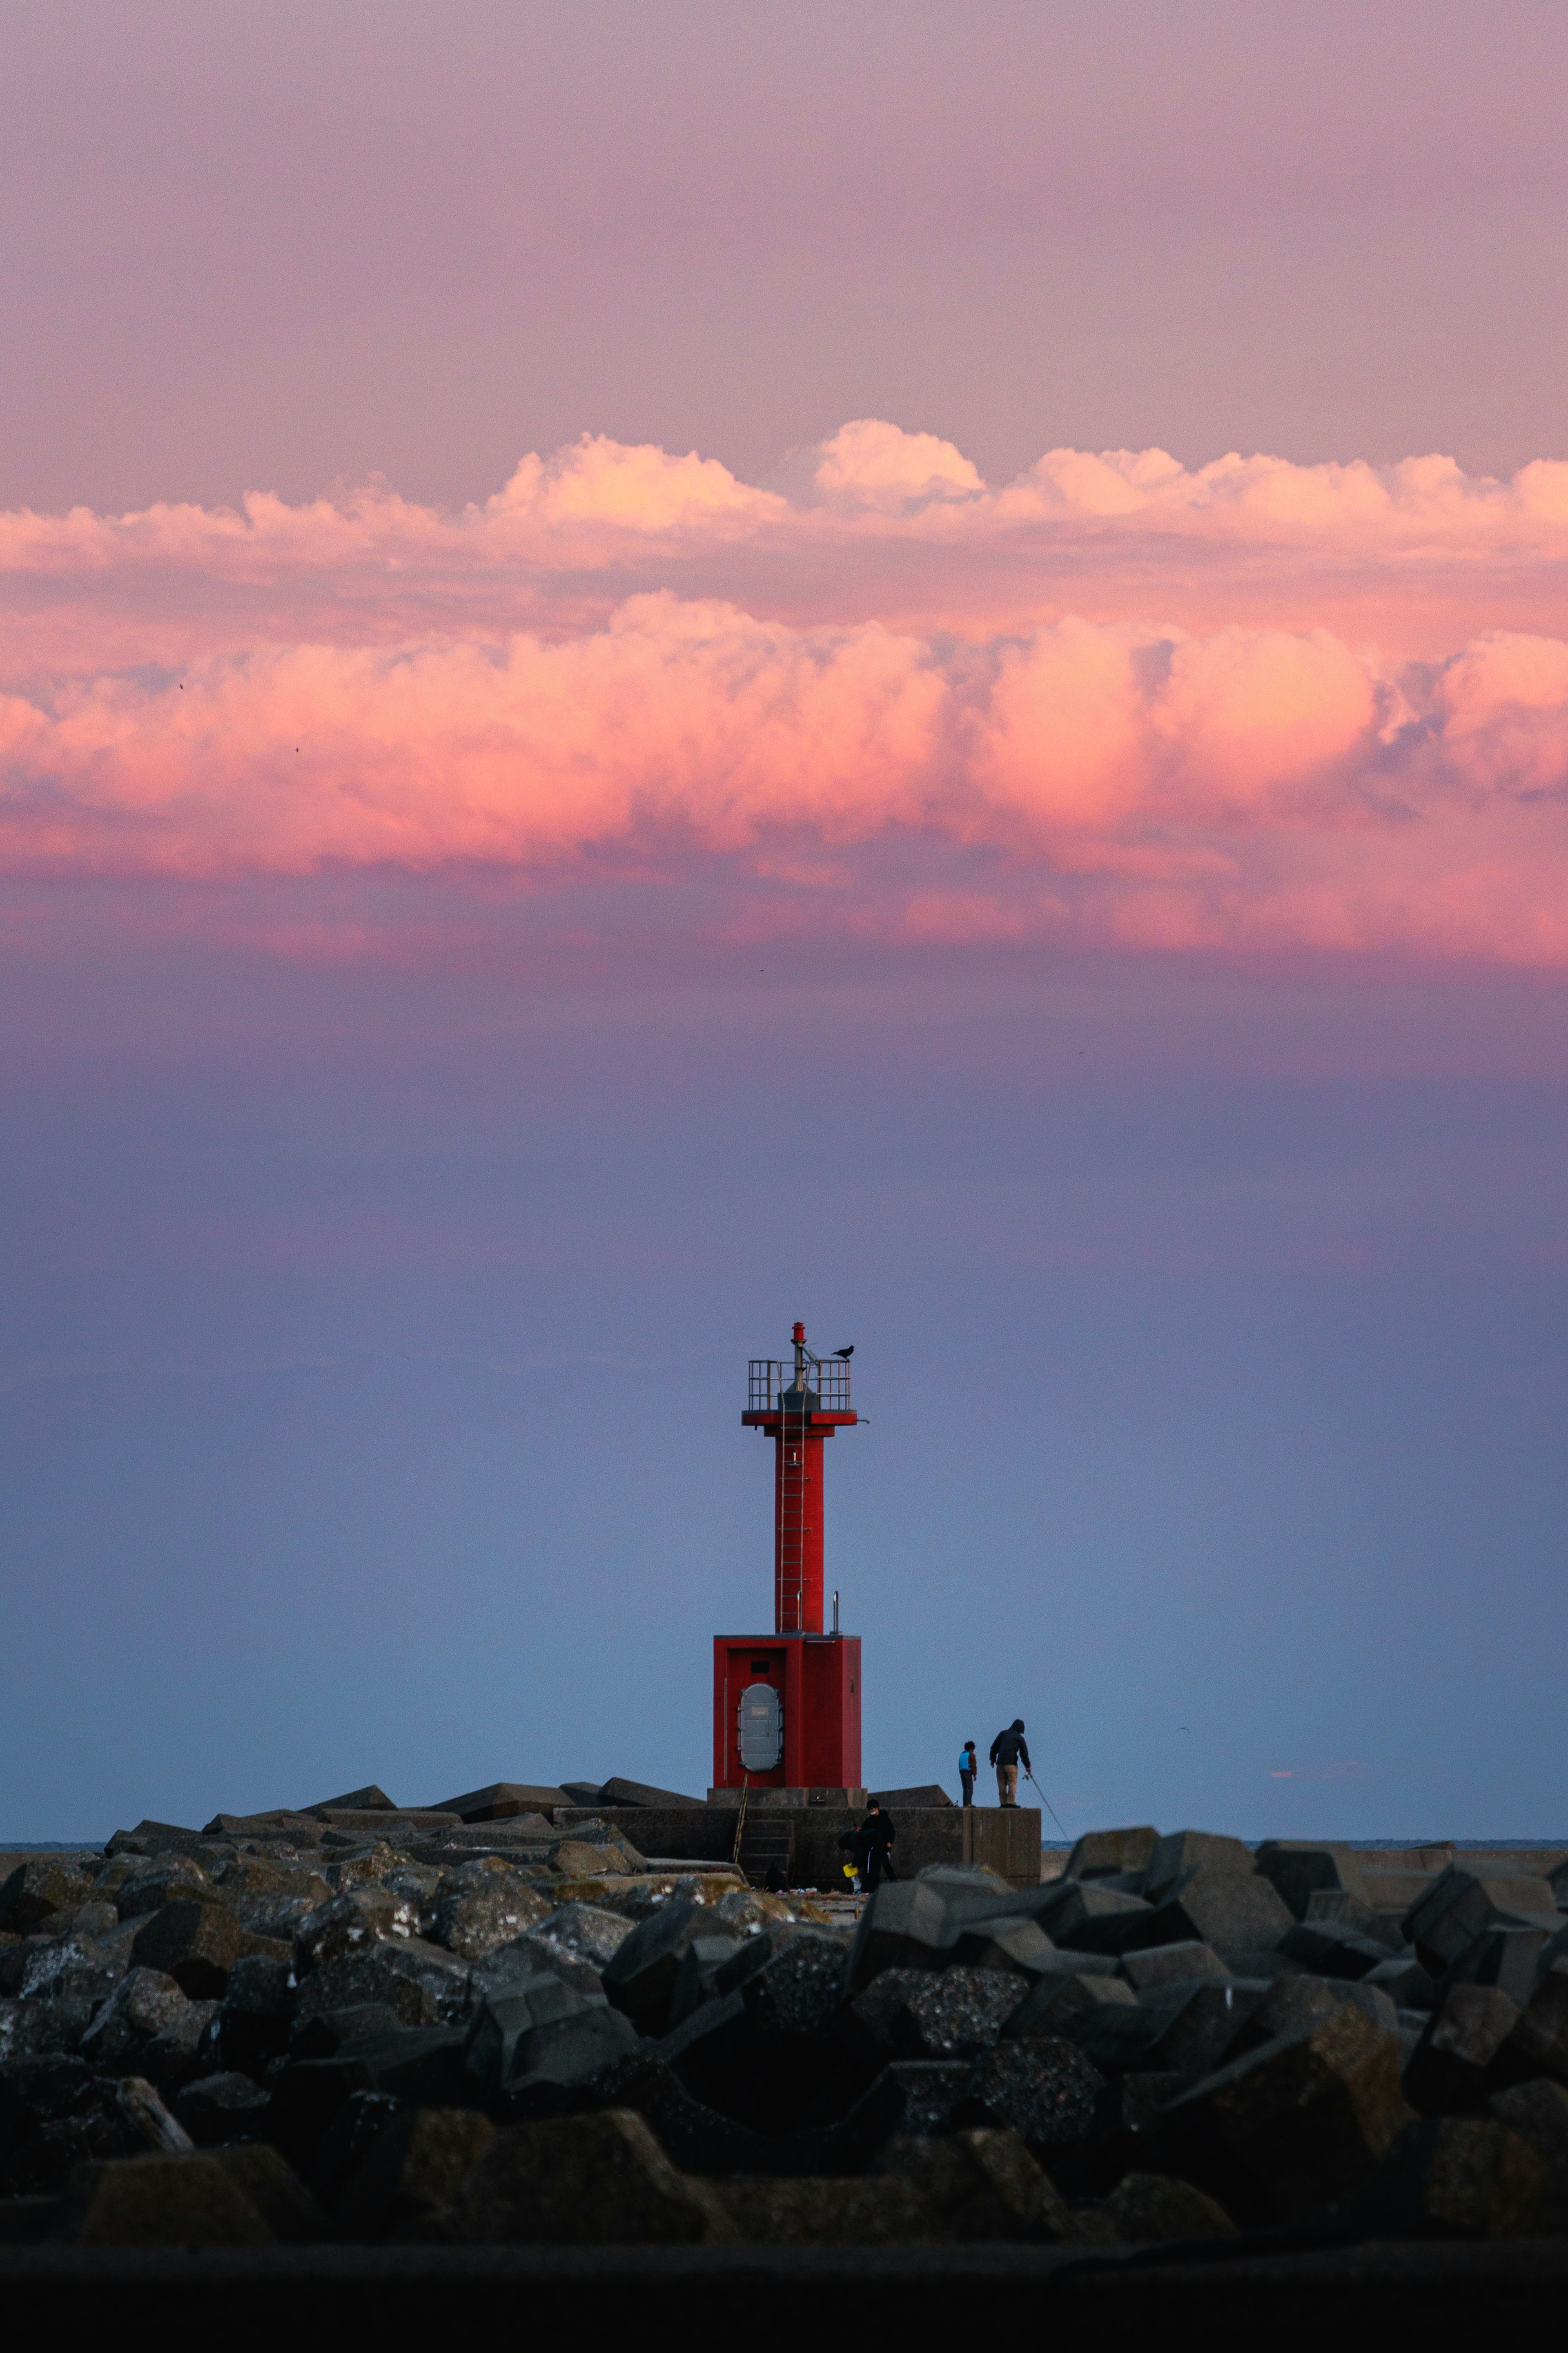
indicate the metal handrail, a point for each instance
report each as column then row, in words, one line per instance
column 771, row 1386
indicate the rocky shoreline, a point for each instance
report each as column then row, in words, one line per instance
column 501, row 2025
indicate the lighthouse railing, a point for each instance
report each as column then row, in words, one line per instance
column 768, row 1380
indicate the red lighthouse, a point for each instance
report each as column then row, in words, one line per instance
column 786, row 1706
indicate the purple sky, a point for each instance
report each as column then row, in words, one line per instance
column 275, row 246
column 1092, row 935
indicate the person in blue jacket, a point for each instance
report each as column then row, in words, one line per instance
column 968, row 1765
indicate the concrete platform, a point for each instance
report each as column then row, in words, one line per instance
column 1007, row 1840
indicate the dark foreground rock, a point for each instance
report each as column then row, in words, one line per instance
column 347, row 2024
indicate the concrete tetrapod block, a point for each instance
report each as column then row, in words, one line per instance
column 218, row 2108
column 158, row 1838
column 1461, row 2054
column 1298, row 1869
column 1455, row 2178
column 1406, row 1983
column 293, row 2216
column 356, row 1916
column 578, row 1931
column 1202, row 2032
column 1046, row 2090
column 1293, row 2004
column 1330, row 1948
column 1094, row 1919
column 884, row 2210
column 475, row 1921
column 588, row 2181
column 798, row 1989
column 425, row 1984
column 1509, row 1958
column 1055, row 2004
column 150, row 2027
column 983, row 2185
column 1541, row 2037
column 1301, row 2122
column 930, row 2014
column 1100, row 1853
column 39, row 1889
column 1538, row 2112
column 618, row 1792
column 197, row 1945
column 1461, row 1906
column 416, row 2168
column 1148, row 2210
column 1151, row 1966
column 155, row 1880
column 138, row 2201
column 642, row 1974
column 1230, row 1910
column 501, row 1802
column 504, row 2018
column 572, row 2049
column 1181, row 1851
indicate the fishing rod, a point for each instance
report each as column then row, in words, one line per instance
column 1048, row 1806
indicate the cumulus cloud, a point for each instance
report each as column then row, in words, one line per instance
column 366, row 682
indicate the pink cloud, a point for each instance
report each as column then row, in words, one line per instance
column 568, row 671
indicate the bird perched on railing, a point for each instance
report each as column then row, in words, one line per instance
column 845, row 1353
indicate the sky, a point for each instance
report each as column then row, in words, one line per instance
column 664, row 668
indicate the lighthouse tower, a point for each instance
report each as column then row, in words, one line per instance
column 786, row 1705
